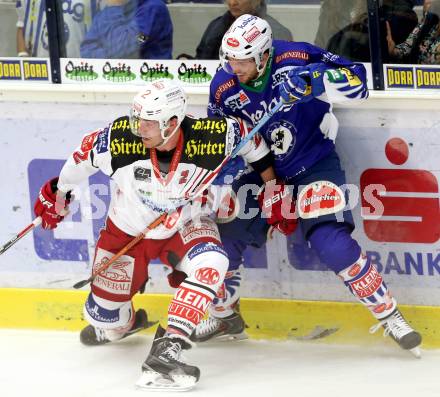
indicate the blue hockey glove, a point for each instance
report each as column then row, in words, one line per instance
column 295, row 87
column 230, row 171
column 304, row 83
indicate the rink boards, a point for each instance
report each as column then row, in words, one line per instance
column 378, row 143
column 329, row 322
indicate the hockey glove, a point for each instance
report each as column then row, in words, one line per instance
column 295, row 88
column 304, row 83
column 278, row 206
column 230, row 171
column 51, row 209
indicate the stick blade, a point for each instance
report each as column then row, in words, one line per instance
column 81, row 284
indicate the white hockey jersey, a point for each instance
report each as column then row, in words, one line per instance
column 144, row 191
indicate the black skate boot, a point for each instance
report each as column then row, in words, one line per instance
column 91, row 336
column 164, row 369
column 396, row 326
column 228, row 328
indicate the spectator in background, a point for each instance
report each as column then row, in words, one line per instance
column 334, row 15
column 139, row 29
column 32, row 37
column 423, row 43
column 209, row 45
column 353, row 41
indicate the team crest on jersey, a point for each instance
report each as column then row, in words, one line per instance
column 208, row 275
column 237, row 101
column 283, row 135
column 320, row 198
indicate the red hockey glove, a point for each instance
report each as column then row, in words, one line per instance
column 278, row 206
column 47, row 206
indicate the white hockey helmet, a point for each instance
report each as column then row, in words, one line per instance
column 248, row 37
column 160, row 100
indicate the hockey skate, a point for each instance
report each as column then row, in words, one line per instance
column 396, row 326
column 228, row 328
column 91, row 336
column 164, row 369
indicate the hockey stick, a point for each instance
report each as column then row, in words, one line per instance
column 26, row 230
column 243, row 142
column 200, row 189
column 257, row 128
column 123, row 250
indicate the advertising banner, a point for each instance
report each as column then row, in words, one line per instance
column 419, row 77
column 132, row 71
column 25, row 69
column 389, row 157
column 136, row 72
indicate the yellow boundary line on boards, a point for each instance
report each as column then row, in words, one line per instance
column 266, row 318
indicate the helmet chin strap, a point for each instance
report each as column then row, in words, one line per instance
column 165, row 139
column 262, row 68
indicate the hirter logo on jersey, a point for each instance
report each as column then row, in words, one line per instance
column 208, row 275
column 237, row 101
column 320, row 198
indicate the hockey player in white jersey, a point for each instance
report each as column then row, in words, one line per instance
column 159, row 158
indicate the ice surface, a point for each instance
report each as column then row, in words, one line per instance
column 37, row 364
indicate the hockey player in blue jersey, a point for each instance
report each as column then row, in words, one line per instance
column 257, row 73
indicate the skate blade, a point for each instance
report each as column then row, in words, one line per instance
column 415, row 351
column 231, row 337
column 154, row 381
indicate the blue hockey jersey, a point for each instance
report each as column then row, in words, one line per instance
column 299, row 135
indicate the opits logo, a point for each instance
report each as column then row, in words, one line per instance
column 208, row 275
column 152, row 73
column 81, row 72
column 194, row 74
column 117, row 73
column 231, row 42
column 409, row 200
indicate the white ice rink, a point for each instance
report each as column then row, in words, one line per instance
column 50, row 364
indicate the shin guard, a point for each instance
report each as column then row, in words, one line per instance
column 366, row 284
column 227, row 296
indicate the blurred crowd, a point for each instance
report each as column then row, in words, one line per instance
column 143, row 29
